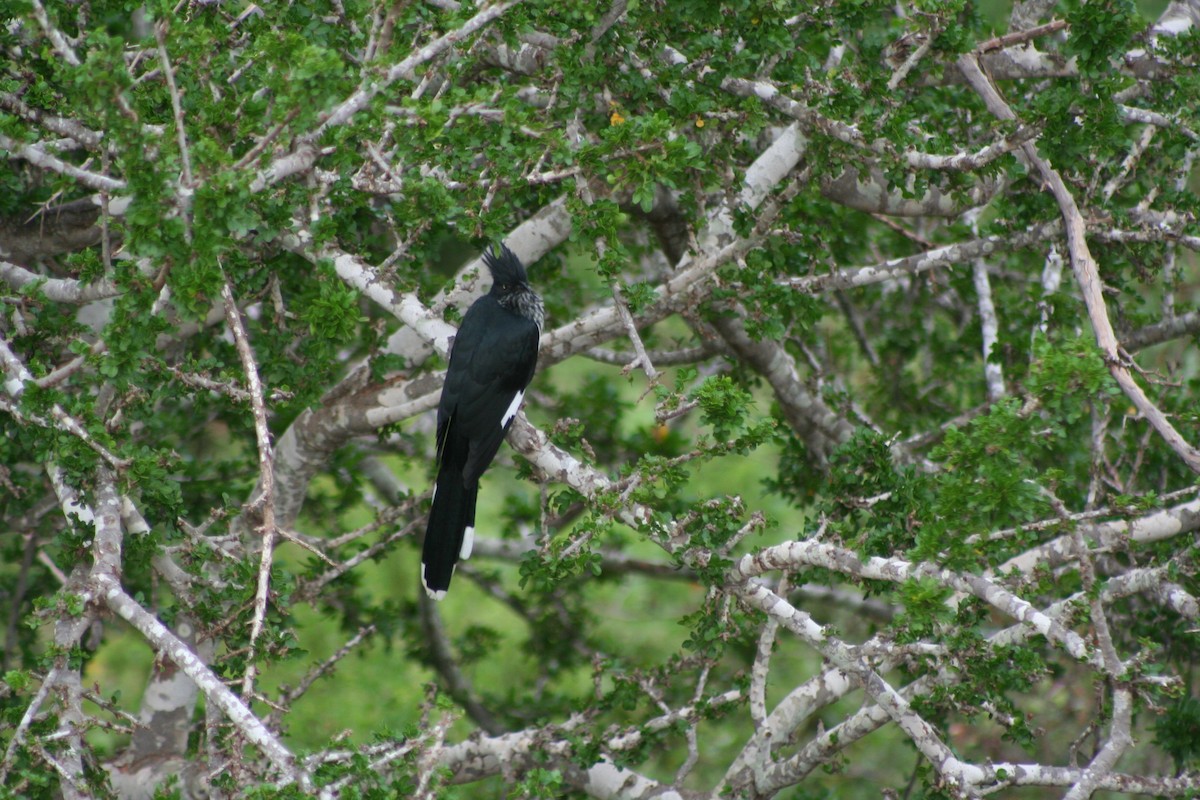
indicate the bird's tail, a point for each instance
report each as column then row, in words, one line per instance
column 451, row 529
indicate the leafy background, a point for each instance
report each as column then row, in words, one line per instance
column 460, row 152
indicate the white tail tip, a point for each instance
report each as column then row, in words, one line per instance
column 439, row 594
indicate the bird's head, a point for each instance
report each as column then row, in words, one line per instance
column 508, row 273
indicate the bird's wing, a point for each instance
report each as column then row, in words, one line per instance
column 494, row 356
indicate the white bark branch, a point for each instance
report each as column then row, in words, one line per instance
column 990, row 330
column 60, row 290
column 264, row 502
column 38, row 157
column 166, row 644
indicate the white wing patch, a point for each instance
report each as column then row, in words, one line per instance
column 439, row 595
column 468, row 542
column 512, row 408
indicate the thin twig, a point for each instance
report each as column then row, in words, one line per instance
column 670, row 358
column 18, row 736
column 266, row 496
column 913, row 58
column 311, row 588
column 316, row 673
column 643, row 358
column 70, row 425
column 176, row 105
column 1020, row 37
column 990, row 328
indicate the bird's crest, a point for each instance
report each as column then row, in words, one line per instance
column 504, row 265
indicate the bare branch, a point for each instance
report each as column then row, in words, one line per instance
column 168, row 645
column 60, row 290
column 848, row 134
column 1173, row 328
column 266, row 482
column 1119, row 741
column 160, row 33
column 56, row 37
column 38, row 157
column 455, row 682
column 947, row 255
column 319, row 671
column 1020, row 36
column 990, row 326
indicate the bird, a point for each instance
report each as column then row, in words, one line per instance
column 492, row 362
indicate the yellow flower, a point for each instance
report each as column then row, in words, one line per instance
column 616, row 118
column 699, row 122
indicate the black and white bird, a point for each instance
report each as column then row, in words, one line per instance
column 491, row 362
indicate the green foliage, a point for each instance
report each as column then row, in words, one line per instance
column 924, row 601
column 544, row 572
column 725, row 405
column 1100, row 30
column 989, row 482
column 539, row 783
column 332, row 315
column 600, row 609
column 1178, row 732
column 868, row 501
column 1065, row 377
